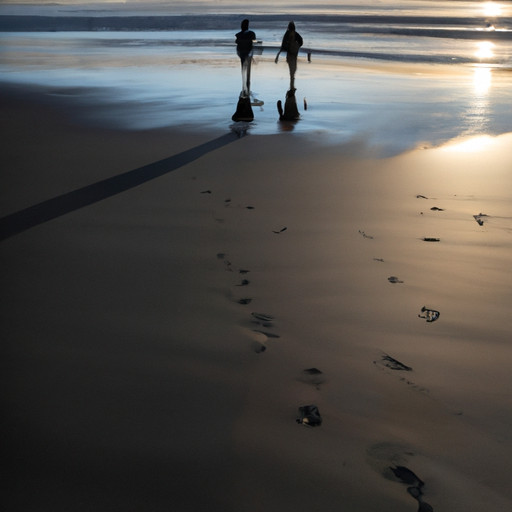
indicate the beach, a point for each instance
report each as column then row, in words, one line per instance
column 136, row 377
column 177, row 286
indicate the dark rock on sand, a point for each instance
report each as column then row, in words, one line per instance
column 309, row 415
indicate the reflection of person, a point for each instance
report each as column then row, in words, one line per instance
column 244, row 40
column 290, row 112
column 292, row 41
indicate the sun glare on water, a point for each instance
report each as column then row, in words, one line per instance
column 482, row 80
column 485, row 50
column 491, row 9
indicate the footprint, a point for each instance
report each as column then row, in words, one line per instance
column 312, row 376
column 258, row 347
column 393, row 364
column 415, row 489
column 263, row 317
column 267, row 334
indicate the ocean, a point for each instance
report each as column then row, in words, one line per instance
column 398, row 74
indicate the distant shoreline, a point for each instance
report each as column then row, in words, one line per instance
column 30, row 22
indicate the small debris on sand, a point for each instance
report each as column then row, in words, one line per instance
column 431, row 315
column 394, row 280
column 479, row 219
column 364, row 235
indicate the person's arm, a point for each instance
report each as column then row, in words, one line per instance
column 284, row 42
column 283, row 46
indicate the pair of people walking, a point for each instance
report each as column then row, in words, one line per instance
column 291, row 43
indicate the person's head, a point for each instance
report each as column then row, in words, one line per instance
column 245, row 24
column 291, row 26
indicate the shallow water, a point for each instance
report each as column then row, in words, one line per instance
column 399, row 75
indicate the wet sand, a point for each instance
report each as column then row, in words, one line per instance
column 156, row 342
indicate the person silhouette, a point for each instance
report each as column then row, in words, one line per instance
column 244, row 42
column 292, row 41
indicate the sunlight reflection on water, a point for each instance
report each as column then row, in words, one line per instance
column 155, row 79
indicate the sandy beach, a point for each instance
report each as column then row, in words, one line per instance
column 159, row 342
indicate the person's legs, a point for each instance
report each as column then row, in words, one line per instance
column 292, row 65
column 246, row 74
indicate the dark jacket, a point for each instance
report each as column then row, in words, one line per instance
column 244, row 40
column 291, row 43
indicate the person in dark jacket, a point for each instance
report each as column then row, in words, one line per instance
column 244, row 42
column 292, row 41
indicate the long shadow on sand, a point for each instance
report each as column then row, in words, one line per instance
column 22, row 220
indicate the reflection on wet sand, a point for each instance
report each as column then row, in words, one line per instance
column 290, row 111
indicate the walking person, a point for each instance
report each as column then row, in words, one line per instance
column 244, row 43
column 292, row 41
